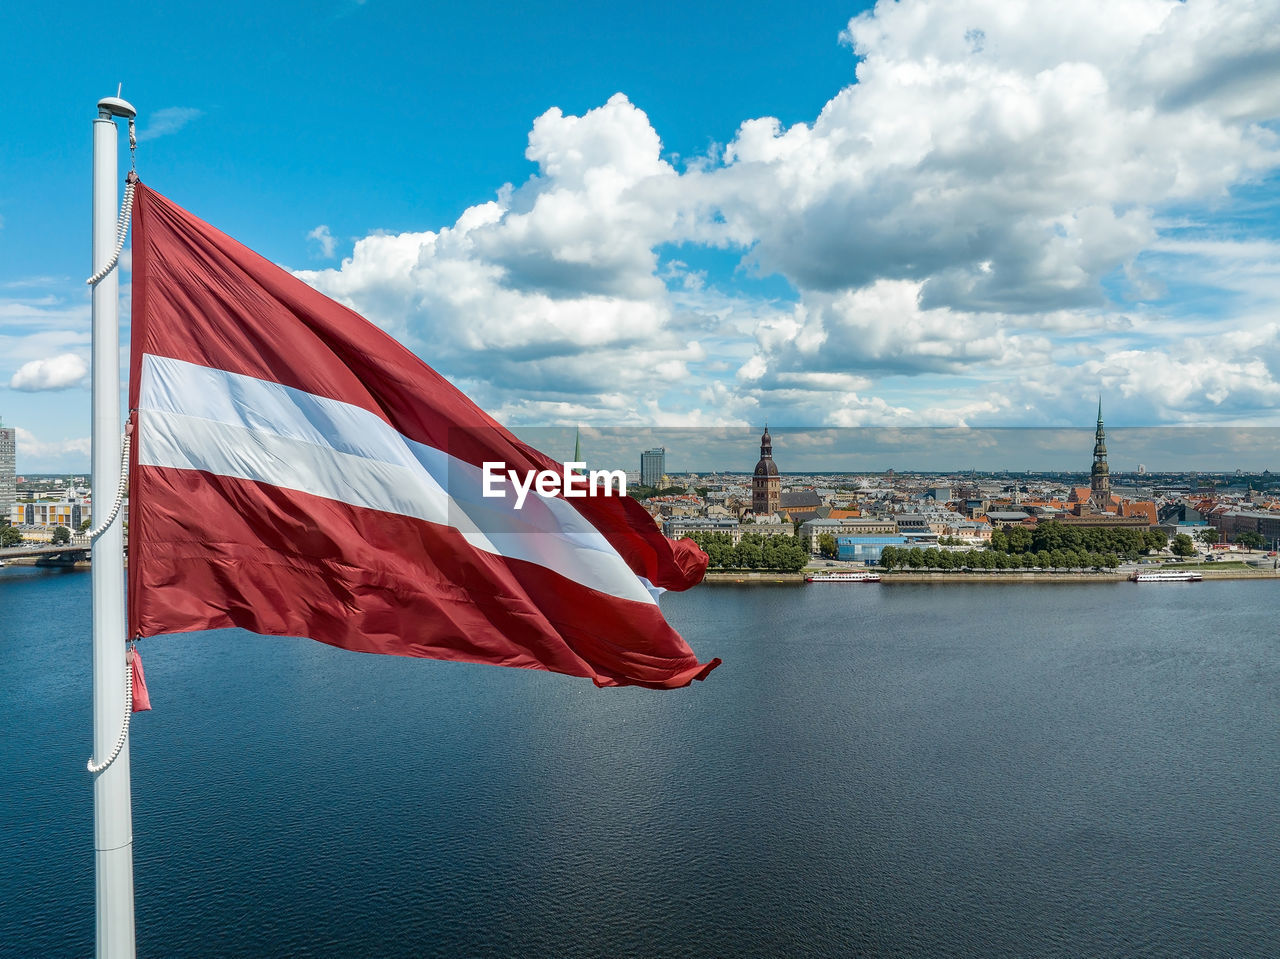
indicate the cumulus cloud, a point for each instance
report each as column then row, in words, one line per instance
column 983, row 213
column 882, row 328
column 1196, row 386
column 55, row 373
column 167, row 120
column 551, row 290
column 325, row 242
column 1009, row 178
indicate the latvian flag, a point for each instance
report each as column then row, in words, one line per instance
column 298, row 472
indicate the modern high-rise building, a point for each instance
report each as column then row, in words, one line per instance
column 8, row 469
column 653, row 466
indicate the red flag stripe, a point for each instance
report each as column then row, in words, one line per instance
column 201, row 297
column 287, row 563
column 193, row 417
column 296, row 471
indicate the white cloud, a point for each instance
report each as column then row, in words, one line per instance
column 35, row 455
column 165, row 121
column 326, row 242
column 550, row 291
column 42, row 313
column 1197, row 386
column 1013, row 178
column 54, row 373
column 958, row 228
column 882, row 328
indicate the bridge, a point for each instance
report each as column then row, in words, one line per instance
column 76, row 551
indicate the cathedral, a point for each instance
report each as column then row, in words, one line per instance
column 1095, row 505
column 766, row 484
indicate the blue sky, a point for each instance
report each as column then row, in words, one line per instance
column 920, row 214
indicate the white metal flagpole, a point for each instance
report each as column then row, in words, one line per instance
column 112, row 814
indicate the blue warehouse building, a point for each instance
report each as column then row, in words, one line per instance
column 867, row 549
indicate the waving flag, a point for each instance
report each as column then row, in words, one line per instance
column 296, row 471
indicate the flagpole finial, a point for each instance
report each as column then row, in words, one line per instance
column 109, row 107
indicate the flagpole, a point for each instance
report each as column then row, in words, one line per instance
column 112, row 815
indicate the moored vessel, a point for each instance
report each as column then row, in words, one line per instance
column 850, row 576
column 1168, row 576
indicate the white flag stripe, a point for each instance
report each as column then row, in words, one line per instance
column 198, row 418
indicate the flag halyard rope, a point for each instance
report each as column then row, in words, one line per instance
column 121, row 490
column 122, row 227
column 96, row 768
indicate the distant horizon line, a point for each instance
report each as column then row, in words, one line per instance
column 1230, row 472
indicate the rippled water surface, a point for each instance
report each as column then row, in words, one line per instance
column 1003, row 770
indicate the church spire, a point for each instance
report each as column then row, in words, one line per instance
column 1100, row 475
column 577, row 449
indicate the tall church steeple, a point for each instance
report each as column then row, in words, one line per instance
column 766, row 484
column 577, row 450
column 1100, row 475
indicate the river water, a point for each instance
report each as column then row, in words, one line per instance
column 910, row 770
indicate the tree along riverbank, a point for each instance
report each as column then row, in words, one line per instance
column 985, row 576
column 1060, row 576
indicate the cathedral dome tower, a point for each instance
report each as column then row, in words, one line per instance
column 766, row 484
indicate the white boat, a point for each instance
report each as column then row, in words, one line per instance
column 1168, row 576
column 843, row 577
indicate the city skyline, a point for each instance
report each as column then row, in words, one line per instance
column 806, row 451
column 914, row 214
column 801, row 450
